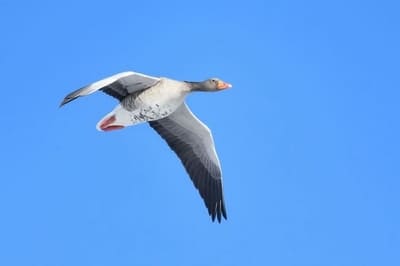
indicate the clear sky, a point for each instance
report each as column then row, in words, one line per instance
column 308, row 137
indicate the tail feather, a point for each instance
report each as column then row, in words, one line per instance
column 117, row 119
column 106, row 124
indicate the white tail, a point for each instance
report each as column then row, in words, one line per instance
column 117, row 119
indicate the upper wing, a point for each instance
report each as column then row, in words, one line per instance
column 118, row 86
column 193, row 143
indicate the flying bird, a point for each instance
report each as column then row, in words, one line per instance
column 161, row 102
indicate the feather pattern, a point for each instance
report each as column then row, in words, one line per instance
column 161, row 102
column 117, row 86
column 192, row 141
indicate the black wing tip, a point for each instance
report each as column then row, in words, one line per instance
column 213, row 199
column 219, row 212
column 219, row 218
column 67, row 99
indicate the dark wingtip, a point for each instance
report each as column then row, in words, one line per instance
column 218, row 216
column 67, row 99
column 63, row 103
column 219, row 212
column 215, row 204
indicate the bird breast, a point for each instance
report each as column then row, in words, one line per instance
column 156, row 102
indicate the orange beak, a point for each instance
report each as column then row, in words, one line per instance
column 223, row 85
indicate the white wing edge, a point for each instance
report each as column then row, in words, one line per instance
column 104, row 82
column 184, row 105
column 107, row 81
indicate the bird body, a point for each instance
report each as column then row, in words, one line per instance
column 161, row 102
column 150, row 104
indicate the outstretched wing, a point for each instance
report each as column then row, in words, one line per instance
column 118, row 86
column 193, row 143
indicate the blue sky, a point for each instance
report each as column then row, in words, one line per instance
column 308, row 136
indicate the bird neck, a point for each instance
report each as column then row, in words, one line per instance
column 196, row 86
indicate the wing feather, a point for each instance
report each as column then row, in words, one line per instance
column 193, row 143
column 117, row 86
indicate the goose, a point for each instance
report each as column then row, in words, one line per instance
column 160, row 101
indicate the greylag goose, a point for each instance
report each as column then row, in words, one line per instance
column 161, row 102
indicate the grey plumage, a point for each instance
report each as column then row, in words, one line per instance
column 193, row 143
column 185, row 134
column 118, row 86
